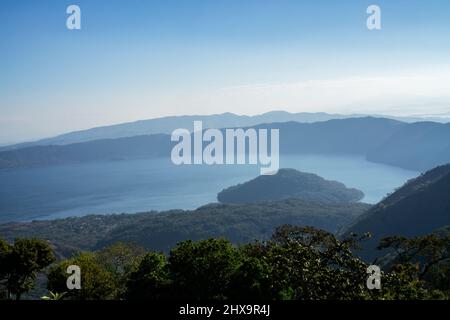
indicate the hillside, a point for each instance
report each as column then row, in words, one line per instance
column 419, row 207
column 290, row 183
column 418, row 146
column 98, row 150
column 161, row 231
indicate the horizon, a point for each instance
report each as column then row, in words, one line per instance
column 445, row 119
column 137, row 60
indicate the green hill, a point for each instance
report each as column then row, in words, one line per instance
column 161, row 231
column 290, row 183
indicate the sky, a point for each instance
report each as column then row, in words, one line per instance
column 136, row 60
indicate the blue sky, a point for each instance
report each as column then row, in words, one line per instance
column 141, row 59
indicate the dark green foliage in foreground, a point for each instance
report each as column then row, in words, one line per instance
column 290, row 183
column 162, row 231
column 150, row 279
column 97, row 281
column 203, row 270
column 296, row 263
column 104, row 273
column 20, row 263
column 429, row 255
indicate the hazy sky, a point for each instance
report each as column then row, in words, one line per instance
column 142, row 59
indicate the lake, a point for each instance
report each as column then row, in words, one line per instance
column 157, row 184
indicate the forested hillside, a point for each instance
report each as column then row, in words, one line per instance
column 419, row 207
column 290, row 183
column 161, row 231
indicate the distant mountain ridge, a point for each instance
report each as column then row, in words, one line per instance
column 168, row 124
column 418, row 146
column 333, row 136
column 290, row 183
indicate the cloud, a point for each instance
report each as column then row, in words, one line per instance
column 424, row 94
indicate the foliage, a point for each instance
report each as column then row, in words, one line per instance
column 120, row 259
column 97, row 283
column 425, row 260
column 296, row 263
column 20, row 263
column 202, row 270
column 162, row 231
column 301, row 263
column 150, row 280
column 418, row 208
column 54, row 296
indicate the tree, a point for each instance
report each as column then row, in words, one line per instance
column 253, row 278
column 439, row 277
column 202, row 270
column 427, row 251
column 313, row 264
column 97, row 283
column 421, row 262
column 5, row 249
column 20, row 263
column 150, row 280
column 120, row 259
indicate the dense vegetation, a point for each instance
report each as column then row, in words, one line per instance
column 19, row 264
column 290, row 183
column 421, row 206
column 300, row 263
column 161, row 231
column 232, row 254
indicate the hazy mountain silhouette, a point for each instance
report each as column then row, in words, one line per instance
column 417, row 146
column 168, row 124
column 355, row 136
column 290, row 183
column 108, row 149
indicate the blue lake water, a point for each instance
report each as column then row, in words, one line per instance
column 157, row 184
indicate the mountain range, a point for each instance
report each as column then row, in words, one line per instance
column 168, row 124
column 418, row 146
